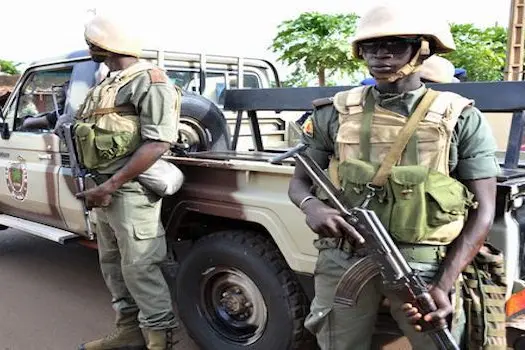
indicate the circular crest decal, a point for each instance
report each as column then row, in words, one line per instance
column 16, row 177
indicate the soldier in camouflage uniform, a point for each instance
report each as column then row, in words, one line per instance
column 124, row 126
column 451, row 159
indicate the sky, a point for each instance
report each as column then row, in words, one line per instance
column 35, row 29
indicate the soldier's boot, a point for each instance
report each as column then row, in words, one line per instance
column 161, row 339
column 126, row 336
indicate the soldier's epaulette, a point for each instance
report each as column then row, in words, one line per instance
column 157, row 76
column 321, row 102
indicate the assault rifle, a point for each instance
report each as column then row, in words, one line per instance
column 78, row 172
column 65, row 131
column 382, row 255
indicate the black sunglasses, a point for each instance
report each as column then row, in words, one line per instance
column 393, row 45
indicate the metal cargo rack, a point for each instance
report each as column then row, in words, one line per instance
column 489, row 97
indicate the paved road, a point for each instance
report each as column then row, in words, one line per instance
column 51, row 297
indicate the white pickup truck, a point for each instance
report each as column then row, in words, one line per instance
column 241, row 256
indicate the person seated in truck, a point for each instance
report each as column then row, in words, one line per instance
column 449, row 161
column 48, row 119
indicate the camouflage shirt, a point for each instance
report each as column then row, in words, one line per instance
column 472, row 150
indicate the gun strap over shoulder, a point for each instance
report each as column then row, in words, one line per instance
column 127, row 108
column 395, row 152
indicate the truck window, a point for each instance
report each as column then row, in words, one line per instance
column 35, row 98
column 215, row 82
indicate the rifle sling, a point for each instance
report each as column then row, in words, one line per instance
column 395, row 152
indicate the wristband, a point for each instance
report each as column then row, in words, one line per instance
column 305, row 199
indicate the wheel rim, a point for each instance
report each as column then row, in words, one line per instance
column 233, row 305
column 192, row 135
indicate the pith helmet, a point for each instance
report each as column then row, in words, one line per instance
column 397, row 20
column 437, row 69
column 113, row 35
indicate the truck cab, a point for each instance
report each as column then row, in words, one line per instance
column 34, row 180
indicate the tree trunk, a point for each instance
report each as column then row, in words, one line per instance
column 321, row 76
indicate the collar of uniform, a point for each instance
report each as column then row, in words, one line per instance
column 114, row 73
column 403, row 103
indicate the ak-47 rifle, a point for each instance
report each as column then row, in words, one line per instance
column 78, row 172
column 382, row 255
column 66, row 132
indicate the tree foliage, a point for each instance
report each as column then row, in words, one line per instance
column 317, row 43
column 481, row 52
column 9, row 67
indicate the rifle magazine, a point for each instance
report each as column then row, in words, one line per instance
column 354, row 279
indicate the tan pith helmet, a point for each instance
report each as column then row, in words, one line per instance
column 113, row 35
column 437, row 69
column 399, row 20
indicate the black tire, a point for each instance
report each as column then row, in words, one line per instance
column 206, row 121
column 214, row 293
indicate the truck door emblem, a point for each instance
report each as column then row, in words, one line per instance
column 16, row 177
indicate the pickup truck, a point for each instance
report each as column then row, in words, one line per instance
column 241, row 258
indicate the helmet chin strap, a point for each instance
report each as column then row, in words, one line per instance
column 411, row 67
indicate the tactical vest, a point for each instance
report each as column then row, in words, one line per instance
column 104, row 132
column 420, row 202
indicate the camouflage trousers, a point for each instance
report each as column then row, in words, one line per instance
column 339, row 327
column 131, row 245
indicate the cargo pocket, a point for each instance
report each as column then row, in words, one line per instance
column 85, row 144
column 147, row 230
column 113, row 145
column 104, row 145
column 354, row 175
column 317, row 318
column 123, row 143
column 407, row 224
column 322, row 303
column 447, row 200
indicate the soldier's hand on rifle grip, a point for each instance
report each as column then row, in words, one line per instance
column 328, row 222
column 439, row 302
column 443, row 306
column 99, row 196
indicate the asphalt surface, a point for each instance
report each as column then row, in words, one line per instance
column 52, row 297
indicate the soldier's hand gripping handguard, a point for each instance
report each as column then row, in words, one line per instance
column 381, row 256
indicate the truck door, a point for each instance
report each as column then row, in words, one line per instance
column 82, row 79
column 30, row 159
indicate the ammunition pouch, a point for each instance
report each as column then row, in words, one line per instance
column 99, row 148
column 416, row 205
column 484, row 297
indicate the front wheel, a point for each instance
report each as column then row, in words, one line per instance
column 235, row 291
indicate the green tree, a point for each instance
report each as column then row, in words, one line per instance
column 481, row 52
column 317, row 43
column 9, row 67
